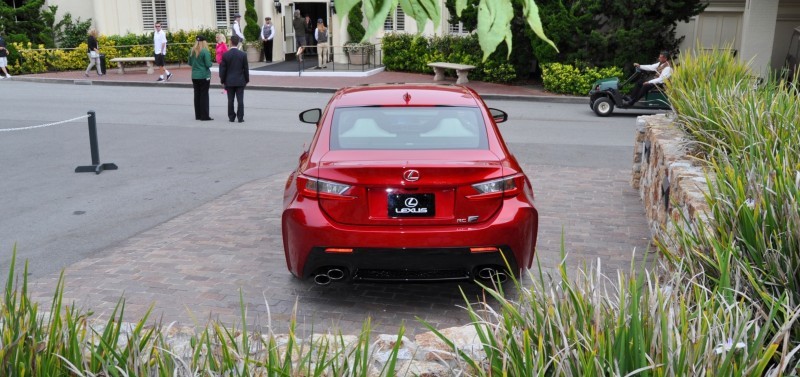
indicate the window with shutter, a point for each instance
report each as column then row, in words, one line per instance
column 456, row 28
column 388, row 25
column 225, row 11
column 396, row 21
column 152, row 11
column 400, row 19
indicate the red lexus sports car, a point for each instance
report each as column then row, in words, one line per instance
column 407, row 182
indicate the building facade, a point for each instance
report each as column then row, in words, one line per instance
column 138, row 16
column 757, row 31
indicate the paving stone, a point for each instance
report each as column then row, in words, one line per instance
column 192, row 267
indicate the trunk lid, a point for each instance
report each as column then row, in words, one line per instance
column 384, row 190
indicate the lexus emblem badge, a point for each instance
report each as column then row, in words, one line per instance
column 411, row 175
column 411, row 202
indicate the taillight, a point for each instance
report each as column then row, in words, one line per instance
column 507, row 186
column 318, row 188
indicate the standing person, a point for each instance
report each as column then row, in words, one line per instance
column 4, row 59
column 160, row 52
column 237, row 30
column 234, row 74
column 200, row 61
column 267, row 33
column 222, row 48
column 93, row 53
column 309, row 32
column 321, row 35
column 663, row 71
column 299, row 33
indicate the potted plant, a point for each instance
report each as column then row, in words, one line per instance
column 252, row 32
column 357, row 52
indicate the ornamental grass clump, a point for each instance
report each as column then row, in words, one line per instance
column 652, row 323
column 750, row 143
column 69, row 342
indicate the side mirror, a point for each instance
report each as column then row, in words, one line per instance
column 311, row 116
column 498, row 115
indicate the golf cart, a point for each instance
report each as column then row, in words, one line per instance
column 605, row 95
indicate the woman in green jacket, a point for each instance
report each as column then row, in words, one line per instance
column 200, row 60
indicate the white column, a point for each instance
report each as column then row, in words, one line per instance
column 758, row 34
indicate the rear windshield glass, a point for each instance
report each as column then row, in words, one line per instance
column 408, row 128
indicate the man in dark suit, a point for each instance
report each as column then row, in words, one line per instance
column 234, row 74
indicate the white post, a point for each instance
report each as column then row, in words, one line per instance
column 758, row 34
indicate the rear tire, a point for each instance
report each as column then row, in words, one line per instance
column 603, row 106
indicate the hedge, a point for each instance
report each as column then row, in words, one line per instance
column 569, row 79
column 26, row 58
column 412, row 53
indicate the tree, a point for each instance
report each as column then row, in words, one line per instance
column 355, row 30
column 22, row 20
column 600, row 32
column 522, row 54
column 251, row 29
column 494, row 18
column 65, row 33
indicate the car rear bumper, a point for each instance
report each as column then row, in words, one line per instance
column 408, row 252
column 426, row 264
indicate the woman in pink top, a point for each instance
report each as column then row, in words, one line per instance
column 222, row 48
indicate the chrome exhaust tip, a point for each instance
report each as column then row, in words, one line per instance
column 322, row 279
column 493, row 274
column 336, row 274
column 486, row 273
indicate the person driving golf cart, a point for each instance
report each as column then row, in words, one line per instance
column 662, row 69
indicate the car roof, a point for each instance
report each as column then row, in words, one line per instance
column 406, row 94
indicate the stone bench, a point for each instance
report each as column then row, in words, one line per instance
column 462, row 70
column 147, row 59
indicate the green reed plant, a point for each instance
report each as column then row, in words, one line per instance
column 67, row 341
column 750, row 144
column 652, row 323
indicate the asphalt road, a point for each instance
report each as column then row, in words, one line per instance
column 169, row 163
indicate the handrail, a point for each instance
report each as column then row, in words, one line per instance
column 374, row 58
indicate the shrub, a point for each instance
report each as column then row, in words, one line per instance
column 412, row 53
column 569, row 79
column 402, row 52
column 30, row 60
column 355, row 29
column 251, row 30
column 26, row 58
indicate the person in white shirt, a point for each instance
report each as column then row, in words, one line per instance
column 160, row 52
column 237, row 29
column 267, row 33
column 663, row 70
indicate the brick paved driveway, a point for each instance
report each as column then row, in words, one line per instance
column 193, row 267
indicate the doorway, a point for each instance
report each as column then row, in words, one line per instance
column 314, row 11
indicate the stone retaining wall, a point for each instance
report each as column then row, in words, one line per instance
column 426, row 355
column 671, row 183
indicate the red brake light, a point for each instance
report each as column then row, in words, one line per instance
column 507, row 187
column 319, row 188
